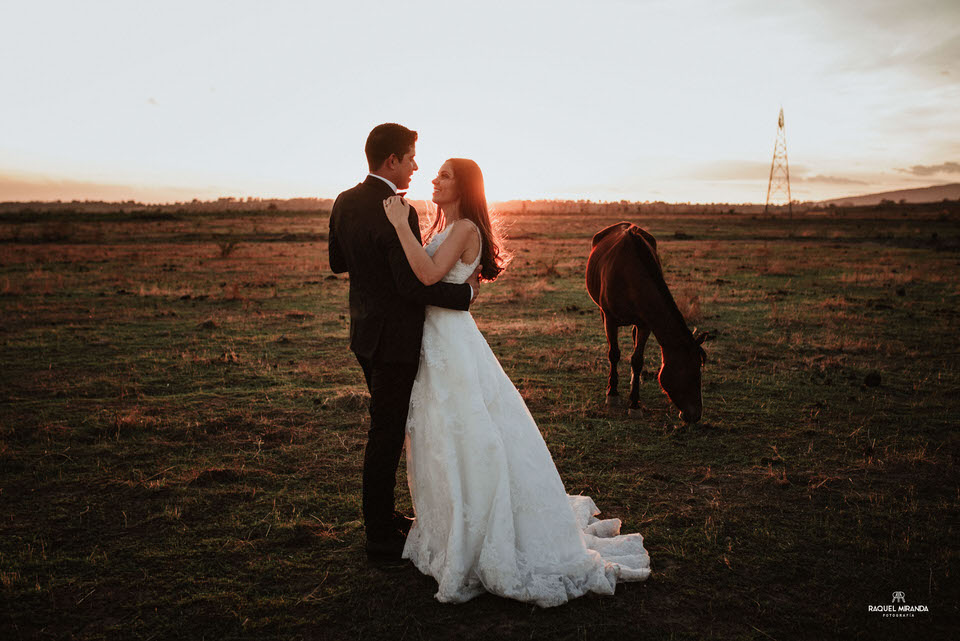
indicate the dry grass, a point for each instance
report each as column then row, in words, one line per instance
column 560, row 326
column 181, row 437
column 688, row 302
column 776, row 267
column 347, row 400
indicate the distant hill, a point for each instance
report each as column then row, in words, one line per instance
column 921, row 195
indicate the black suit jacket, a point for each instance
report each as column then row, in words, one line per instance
column 386, row 298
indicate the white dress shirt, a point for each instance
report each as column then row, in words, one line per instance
column 392, row 186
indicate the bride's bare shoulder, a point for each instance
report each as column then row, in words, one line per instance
column 467, row 227
column 469, row 234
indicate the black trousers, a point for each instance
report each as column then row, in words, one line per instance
column 389, row 385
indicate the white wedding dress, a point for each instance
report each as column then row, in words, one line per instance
column 492, row 514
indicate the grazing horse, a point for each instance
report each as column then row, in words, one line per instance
column 625, row 280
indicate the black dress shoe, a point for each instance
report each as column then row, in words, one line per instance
column 386, row 552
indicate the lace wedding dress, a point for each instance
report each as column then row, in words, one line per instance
column 491, row 511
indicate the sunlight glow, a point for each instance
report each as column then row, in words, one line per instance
column 638, row 101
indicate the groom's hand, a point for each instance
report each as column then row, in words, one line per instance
column 474, row 282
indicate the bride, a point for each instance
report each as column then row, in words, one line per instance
column 492, row 514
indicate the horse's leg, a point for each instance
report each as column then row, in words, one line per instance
column 640, row 334
column 613, row 354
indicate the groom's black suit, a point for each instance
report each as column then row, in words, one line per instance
column 386, row 327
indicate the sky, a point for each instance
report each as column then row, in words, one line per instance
column 602, row 100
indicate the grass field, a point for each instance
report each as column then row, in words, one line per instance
column 182, row 428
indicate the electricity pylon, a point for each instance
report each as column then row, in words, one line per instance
column 779, row 168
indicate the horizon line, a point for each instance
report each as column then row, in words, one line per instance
column 120, row 194
column 268, row 199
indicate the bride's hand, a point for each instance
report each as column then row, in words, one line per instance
column 397, row 209
column 474, row 282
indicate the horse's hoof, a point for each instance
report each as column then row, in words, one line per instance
column 613, row 401
column 635, row 412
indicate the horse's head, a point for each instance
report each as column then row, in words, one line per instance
column 680, row 378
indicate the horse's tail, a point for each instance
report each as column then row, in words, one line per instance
column 646, row 246
column 647, row 236
column 603, row 233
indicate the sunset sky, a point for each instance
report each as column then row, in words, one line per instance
column 673, row 100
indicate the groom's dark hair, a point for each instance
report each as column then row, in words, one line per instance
column 388, row 139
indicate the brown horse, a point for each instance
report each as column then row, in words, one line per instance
column 625, row 280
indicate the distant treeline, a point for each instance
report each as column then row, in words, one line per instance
column 131, row 207
column 195, row 206
column 132, row 210
column 625, row 207
column 580, row 207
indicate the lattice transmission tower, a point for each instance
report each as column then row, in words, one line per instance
column 779, row 168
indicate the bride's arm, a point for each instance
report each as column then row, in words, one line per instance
column 428, row 269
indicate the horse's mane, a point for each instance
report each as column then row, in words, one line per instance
column 643, row 244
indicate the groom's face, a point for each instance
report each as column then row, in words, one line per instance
column 405, row 168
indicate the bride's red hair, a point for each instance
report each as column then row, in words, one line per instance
column 473, row 206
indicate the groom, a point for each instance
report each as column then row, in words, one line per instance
column 386, row 322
